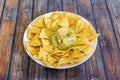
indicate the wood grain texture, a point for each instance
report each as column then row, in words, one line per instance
column 94, row 66
column 2, row 3
column 114, row 10
column 109, row 49
column 54, row 5
column 40, row 7
column 19, row 63
column 15, row 15
column 6, row 35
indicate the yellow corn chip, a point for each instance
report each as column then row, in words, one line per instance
column 55, row 64
column 54, row 16
column 60, row 15
column 71, row 17
column 36, row 30
column 43, row 35
column 51, row 59
column 92, row 35
column 80, row 48
column 31, row 49
column 80, row 25
column 45, row 60
column 42, row 53
column 63, row 31
column 56, row 56
column 82, row 40
column 63, row 22
column 87, row 50
column 48, row 48
column 55, row 25
column 48, row 32
column 47, row 20
column 76, row 59
column 75, row 53
column 63, row 60
column 35, row 41
column 45, row 42
column 30, row 35
column 39, row 22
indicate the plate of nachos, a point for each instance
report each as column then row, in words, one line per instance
column 60, row 40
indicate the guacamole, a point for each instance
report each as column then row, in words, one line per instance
column 64, row 42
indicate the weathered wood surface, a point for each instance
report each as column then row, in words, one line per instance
column 8, row 23
column 15, row 15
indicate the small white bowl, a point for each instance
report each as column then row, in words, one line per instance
column 85, row 58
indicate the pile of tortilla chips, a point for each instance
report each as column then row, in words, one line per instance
column 40, row 45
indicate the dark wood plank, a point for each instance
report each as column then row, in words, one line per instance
column 37, row 71
column 2, row 3
column 114, row 10
column 94, row 66
column 109, row 48
column 78, row 72
column 54, row 5
column 114, row 13
column 19, row 63
column 40, row 7
column 6, row 34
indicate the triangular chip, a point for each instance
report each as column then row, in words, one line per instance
column 29, row 34
column 80, row 25
column 92, row 35
column 80, row 48
column 63, row 60
column 55, row 25
column 82, row 40
column 63, row 31
column 76, row 59
column 36, row 30
column 87, row 50
column 39, row 22
column 43, row 35
column 35, row 41
column 51, row 59
column 45, row 60
column 75, row 53
column 48, row 32
column 47, row 20
column 42, row 53
column 48, row 48
column 71, row 17
column 63, row 22
column 31, row 49
column 54, row 16
column 45, row 42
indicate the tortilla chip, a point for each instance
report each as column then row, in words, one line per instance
column 35, row 41
column 43, row 34
column 39, row 22
column 82, row 40
column 63, row 22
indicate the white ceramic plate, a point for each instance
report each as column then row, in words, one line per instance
column 85, row 58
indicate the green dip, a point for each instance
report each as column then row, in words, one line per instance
column 63, row 42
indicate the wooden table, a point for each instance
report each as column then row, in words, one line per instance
column 15, row 15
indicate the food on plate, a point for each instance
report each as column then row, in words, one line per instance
column 60, row 38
